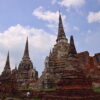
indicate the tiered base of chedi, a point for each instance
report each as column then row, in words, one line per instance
column 13, row 80
column 66, row 71
column 26, row 72
column 73, row 84
column 56, row 62
column 8, row 86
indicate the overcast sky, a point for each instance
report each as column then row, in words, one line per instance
column 38, row 19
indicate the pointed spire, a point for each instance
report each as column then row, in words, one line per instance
column 26, row 51
column 7, row 65
column 15, row 67
column 61, row 33
column 72, row 49
column 50, row 52
column 7, row 70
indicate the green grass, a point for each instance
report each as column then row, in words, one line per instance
column 48, row 89
column 42, row 89
column 96, row 89
column 26, row 89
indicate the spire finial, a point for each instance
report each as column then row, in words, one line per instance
column 26, row 51
column 50, row 52
column 59, row 11
column 7, row 65
column 15, row 67
column 61, row 33
column 7, row 70
column 72, row 49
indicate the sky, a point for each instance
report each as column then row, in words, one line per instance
column 38, row 19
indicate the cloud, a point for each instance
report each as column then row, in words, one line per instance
column 72, row 3
column 13, row 39
column 93, row 17
column 76, row 28
column 16, row 34
column 54, row 1
column 50, row 17
column 46, row 15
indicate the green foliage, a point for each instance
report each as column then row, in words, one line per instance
column 96, row 89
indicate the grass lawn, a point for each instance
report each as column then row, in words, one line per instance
column 26, row 89
column 48, row 89
column 96, row 89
